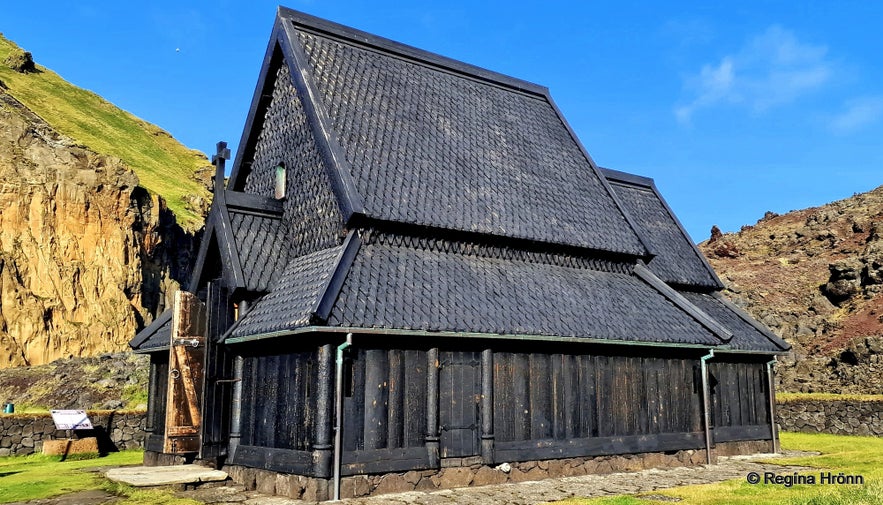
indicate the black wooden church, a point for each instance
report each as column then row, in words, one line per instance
column 415, row 264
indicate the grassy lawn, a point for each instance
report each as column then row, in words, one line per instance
column 163, row 165
column 24, row 478
column 850, row 455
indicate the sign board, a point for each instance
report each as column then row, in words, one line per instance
column 71, row 420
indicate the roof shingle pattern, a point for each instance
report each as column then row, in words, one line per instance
column 390, row 286
column 431, row 147
column 262, row 246
column 677, row 262
column 745, row 335
column 290, row 303
column 312, row 215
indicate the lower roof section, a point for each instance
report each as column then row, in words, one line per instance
column 156, row 336
column 747, row 333
column 397, row 286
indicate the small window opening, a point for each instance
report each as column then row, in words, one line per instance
column 280, row 181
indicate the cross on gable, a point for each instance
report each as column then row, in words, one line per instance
column 218, row 161
column 222, row 154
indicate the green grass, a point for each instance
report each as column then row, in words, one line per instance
column 794, row 397
column 162, row 164
column 24, row 478
column 850, row 455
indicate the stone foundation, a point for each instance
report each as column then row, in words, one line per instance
column 313, row 489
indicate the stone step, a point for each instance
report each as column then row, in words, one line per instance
column 147, row 476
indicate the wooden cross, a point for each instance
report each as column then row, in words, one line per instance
column 218, row 160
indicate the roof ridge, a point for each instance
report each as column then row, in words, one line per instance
column 407, row 52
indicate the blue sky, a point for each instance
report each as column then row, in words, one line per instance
column 733, row 109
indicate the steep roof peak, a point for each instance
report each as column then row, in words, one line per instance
column 351, row 35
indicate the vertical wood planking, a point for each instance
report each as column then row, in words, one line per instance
column 396, row 415
column 376, row 398
column 570, row 396
column 432, row 406
column 414, row 398
column 504, row 410
column 521, row 396
column 540, row 397
column 486, row 410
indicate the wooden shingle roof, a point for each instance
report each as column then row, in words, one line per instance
column 411, row 137
column 427, row 195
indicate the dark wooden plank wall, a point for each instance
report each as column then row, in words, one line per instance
column 384, row 422
column 217, row 395
column 385, row 399
column 565, row 396
column 157, row 390
column 739, row 400
column 279, row 400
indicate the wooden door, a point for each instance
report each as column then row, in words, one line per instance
column 186, row 375
column 459, row 402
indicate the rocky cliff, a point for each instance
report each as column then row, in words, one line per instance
column 87, row 257
column 814, row 276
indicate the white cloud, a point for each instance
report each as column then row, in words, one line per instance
column 857, row 114
column 771, row 69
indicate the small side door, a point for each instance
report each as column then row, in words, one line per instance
column 459, row 403
column 186, row 375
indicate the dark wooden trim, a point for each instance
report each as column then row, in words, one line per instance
column 328, row 294
column 263, row 95
column 646, row 275
column 204, row 245
column 625, row 177
column 147, row 332
column 649, row 252
column 736, row 433
column 432, row 435
column 390, row 47
column 336, row 164
column 256, row 204
column 227, row 245
column 487, row 406
column 280, row 460
column 529, row 450
column 384, row 460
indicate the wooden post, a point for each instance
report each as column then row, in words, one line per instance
column 324, row 412
column 487, row 406
column 432, row 437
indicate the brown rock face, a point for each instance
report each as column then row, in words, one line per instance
column 86, row 255
column 814, row 276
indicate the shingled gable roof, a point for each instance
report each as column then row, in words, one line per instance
column 677, row 261
column 680, row 263
column 414, row 262
column 407, row 136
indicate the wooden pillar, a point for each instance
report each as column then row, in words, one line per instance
column 322, row 448
column 432, row 436
column 152, row 391
column 487, row 406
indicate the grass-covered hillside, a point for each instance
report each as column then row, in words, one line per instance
column 162, row 164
